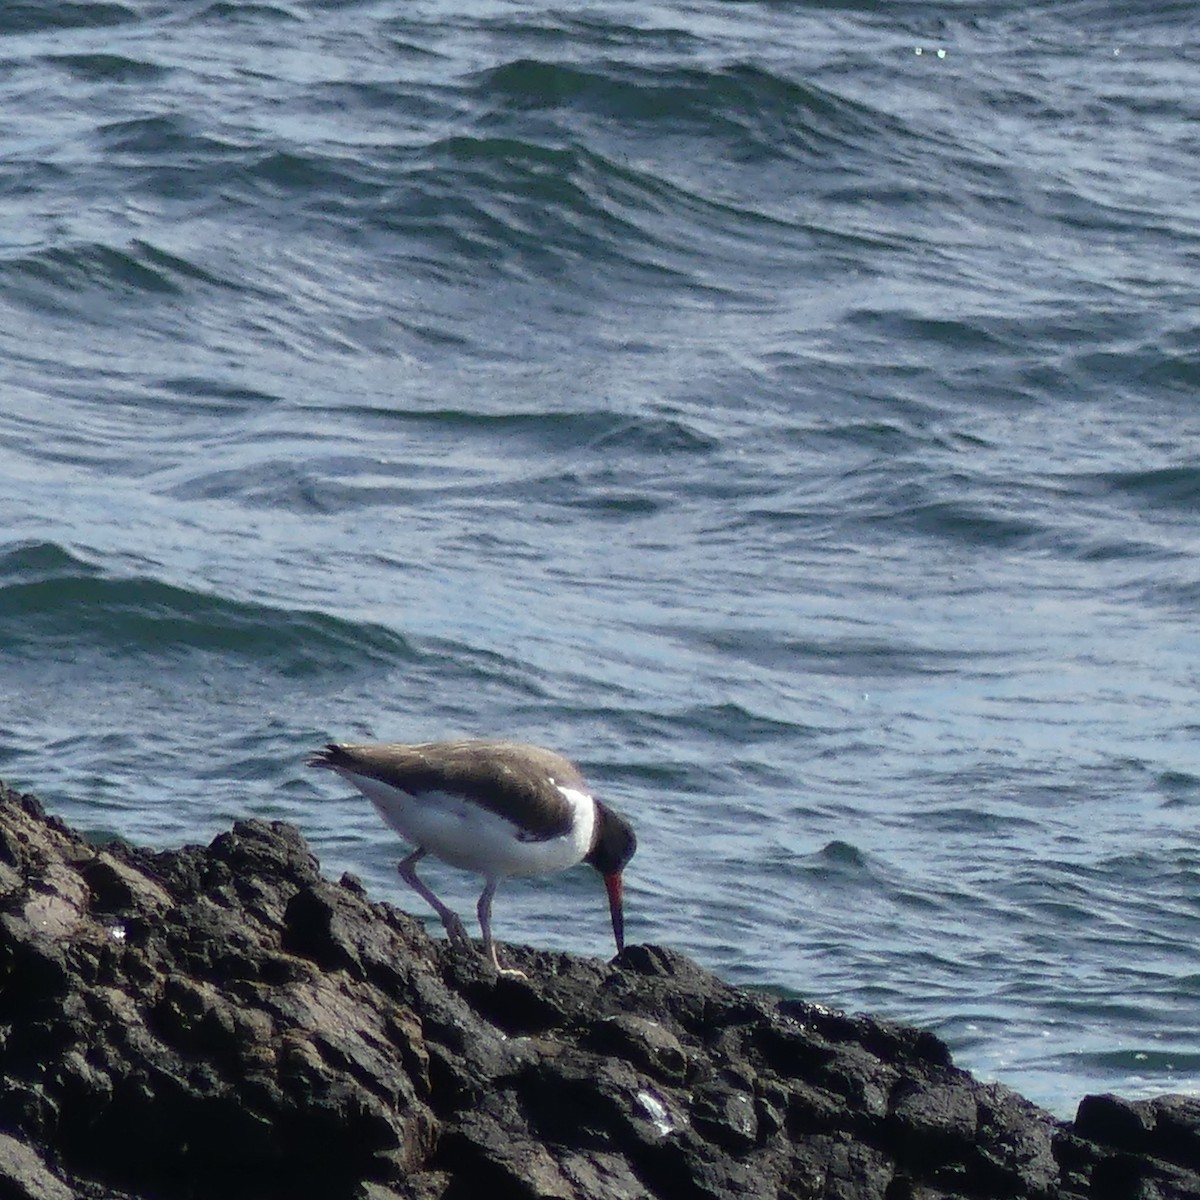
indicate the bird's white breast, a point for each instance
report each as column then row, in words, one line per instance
column 469, row 836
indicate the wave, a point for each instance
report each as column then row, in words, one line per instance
column 759, row 113
column 107, row 68
column 56, row 15
column 137, row 267
column 578, row 458
column 51, row 599
column 1170, row 489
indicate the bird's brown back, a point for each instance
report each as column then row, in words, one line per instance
column 511, row 779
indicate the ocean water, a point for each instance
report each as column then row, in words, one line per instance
column 788, row 411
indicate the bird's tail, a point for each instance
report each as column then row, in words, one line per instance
column 330, row 756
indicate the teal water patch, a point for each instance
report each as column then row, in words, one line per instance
column 51, row 599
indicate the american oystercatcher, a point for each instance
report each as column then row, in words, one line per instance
column 493, row 807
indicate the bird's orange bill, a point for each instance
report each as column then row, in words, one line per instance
column 615, row 891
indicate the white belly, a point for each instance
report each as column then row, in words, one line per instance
column 468, row 836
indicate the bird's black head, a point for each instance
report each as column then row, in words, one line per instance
column 614, row 842
column 612, row 847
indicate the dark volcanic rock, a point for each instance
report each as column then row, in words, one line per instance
column 226, row 1022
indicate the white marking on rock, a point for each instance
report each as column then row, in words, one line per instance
column 657, row 1111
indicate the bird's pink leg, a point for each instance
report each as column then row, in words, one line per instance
column 455, row 929
column 484, row 910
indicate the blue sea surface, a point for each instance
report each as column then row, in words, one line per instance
column 787, row 411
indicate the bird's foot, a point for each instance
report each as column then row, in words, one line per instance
column 456, row 931
column 489, row 952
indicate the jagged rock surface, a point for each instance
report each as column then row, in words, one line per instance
column 223, row 1021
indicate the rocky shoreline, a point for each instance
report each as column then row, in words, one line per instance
column 224, row 1021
